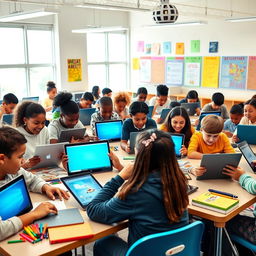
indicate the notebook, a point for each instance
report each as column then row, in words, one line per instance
column 178, row 140
column 191, row 107
column 247, row 133
column 88, row 157
column 85, row 115
column 49, row 155
column 64, row 217
column 7, row 119
column 15, row 198
column 84, row 187
column 66, row 135
column 110, row 130
column 248, row 154
column 70, row 233
column 214, row 164
column 203, row 114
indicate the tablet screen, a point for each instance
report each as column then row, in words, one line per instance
column 88, row 157
column 83, row 187
column 15, row 199
column 248, row 154
column 109, row 130
column 178, row 141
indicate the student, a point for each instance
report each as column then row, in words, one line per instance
column 9, row 103
column 69, row 117
column 29, row 120
column 161, row 101
column 141, row 95
column 236, row 114
column 12, row 148
column 153, row 198
column 121, row 102
column 210, row 140
column 217, row 104
column 51, row 91
column 192, row 97
column 105, row 112
column 249, row 117
column 96, row 93
column 86, row 100
column 178, row 121
column 105, row 92
column 138, row 121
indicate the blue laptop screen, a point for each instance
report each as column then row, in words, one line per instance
column 15, row 200
column 109, row 130
column 177, row 140
column 88, row 157
column 85, row 188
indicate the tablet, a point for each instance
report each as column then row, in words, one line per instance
column 77, row 133
column 49, row 155
column 110, row 130
column 15, row 198
column 214, row 164
column 7, row 119
column 247, row 133
column 203, row 114
column 88, row 157
column 85, row 115
column 191, row 107
column 164, row 114
column 84, row 187
column 248, row 154
column 133, row 136
column 178, row 140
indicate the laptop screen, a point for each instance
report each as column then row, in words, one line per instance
column 203, row 114
column 111, row 130
column 83, row 187
column 88, row 157
column 178, row 142
column 15, row 198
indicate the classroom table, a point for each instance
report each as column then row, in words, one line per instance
column 101, row 230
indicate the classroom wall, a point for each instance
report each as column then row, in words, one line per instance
column 234, row 39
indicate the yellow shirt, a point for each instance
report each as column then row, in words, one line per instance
column 47, row 103
column 222, row 145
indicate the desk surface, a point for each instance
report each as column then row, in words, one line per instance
column 100, row 230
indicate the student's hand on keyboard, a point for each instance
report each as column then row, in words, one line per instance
column 44, row 209
column 233, row 172
column 51, row 191
column 31, row 162
column 198, row 171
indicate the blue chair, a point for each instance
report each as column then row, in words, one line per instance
column 182, row 241
column 243, row 242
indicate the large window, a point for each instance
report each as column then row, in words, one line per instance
column 107, row 60
column 26, row 59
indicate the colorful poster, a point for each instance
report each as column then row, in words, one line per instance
column 174, row 71
column 135, row 63
column 167, row 47
column 145, row 69
column 251, row 78
column 157, row 70
column 233, row 72
column 210, row 77
column 156, row 49
column 140, row 46
column 192, row 71
column 213, row 47
column 74, row 70
column 148, row 48
column 179, row 49
column 195, row 46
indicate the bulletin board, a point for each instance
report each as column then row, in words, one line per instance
column 210, row 73
column 251, row 77
column 157, row 70
column 174, row 69
column 192, row 73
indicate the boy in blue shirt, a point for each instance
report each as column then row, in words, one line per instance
column 230, row 125
column 138, row 122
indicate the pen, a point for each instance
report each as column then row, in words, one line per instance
column 26, row 237
column 216, row 194
column 222, row 193
column 15, row 241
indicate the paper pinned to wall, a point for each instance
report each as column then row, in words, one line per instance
column 135, row 63
column 167, row 47
column 192, row 71
column 180, row 49
column 145, row 69
column 251, row 78
column 74, row 70
column 174, row 70
column 156, row 47
column 157, row 70
column 140, row 46
column 195, row 46
column 210, row 77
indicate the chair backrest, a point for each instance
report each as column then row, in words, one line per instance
column 182, row 241
column 243, row 242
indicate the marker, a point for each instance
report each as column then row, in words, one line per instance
column 129, row 158
column 222, row 193
column 45, row 228
column 37, row 240
column 29, row 233
column 41, row 228
column 15, row 241
column 26, row 237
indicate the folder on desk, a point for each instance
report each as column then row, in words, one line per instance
column 70, row 233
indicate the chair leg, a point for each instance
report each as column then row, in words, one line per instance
column 233, row 247
column 83, row 250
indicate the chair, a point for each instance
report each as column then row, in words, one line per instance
column 182, row 241
column 243, row 242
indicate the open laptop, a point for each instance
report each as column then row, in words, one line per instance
column 33, row 98
column 85, row 115
column 191, row 107
column 247, row 133
column 88, row 157
column 132, row 141
column 77, row 133
column 15, row 198
column 178, row 140
column 84, row 187
column 49, row 155
column 164, row 114
column 109, row 130
column 248, row 154
column 77, row 96
column 150, row 111
column 203, row 114
column 7, row 119
column 214, row 164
